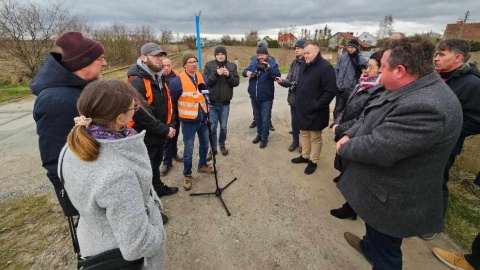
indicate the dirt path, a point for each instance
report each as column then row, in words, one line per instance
column 280, row 216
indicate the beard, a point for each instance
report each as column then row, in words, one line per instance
column 154, row 67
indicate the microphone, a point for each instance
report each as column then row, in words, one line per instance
column 205, row 93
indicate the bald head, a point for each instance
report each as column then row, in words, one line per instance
column 167, row 66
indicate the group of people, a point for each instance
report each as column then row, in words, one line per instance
column 397, row 124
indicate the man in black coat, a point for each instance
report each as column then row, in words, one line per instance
column 58, row 85
column 159, row 122
column 222, row 78
column 316, row 88
column 464, row 80
column 397, row 151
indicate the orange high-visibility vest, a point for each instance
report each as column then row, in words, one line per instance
column 191, row 97
column 149, row 97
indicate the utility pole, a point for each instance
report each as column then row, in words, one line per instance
column 199, row 45
column 466, row 16
column 463, row 23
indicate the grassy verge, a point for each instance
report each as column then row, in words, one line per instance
column 27, row 228
column 463, row 216
column 14, row 91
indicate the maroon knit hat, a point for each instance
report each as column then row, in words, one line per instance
column 78, row 51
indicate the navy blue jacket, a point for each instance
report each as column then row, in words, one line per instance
column 57, row 91
column 262, row 86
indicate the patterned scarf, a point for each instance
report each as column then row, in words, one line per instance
column 104, row 133
column 368, row 81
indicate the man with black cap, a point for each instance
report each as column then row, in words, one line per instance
column 222, row 78
column 58, row 85
column 253, row 59
column 157, row 119
column 291, row 83
column 192, row 111
column 262, row 73
column 348, row 70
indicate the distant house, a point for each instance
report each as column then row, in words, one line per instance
column 340, row 39
column 286, row 40
column 368, row 38
column 467, row 31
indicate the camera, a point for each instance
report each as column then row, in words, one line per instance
column 254, row 76
column 262, row 66
column 221, row 65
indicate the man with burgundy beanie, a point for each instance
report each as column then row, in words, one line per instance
column 58, row 85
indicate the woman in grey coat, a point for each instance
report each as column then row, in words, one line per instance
column 107, row 176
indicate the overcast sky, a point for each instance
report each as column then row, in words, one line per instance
column 227, row 17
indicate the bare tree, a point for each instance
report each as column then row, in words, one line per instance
column 166, row 36
column 385, row 27
column 27, row 30
column 117, row 42
column 251, row 38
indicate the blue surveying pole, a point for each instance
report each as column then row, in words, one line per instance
column 199, row 45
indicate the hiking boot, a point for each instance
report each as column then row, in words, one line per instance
column 164, row 218
column 210, row 155
column 224, row 150
column 271, row 127
column 311, row 167
column 452, row 260
column 300, row 159
column 354, row 241
column 292, row 147
column 263, row 143
column 164, row 169
column 428, row 236
column 205, row 169
column 253, row 124
column 178, row 158
column 257, row 139
column 165, row 190
column 187, row 182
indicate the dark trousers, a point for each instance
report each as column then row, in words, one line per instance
column 474, row 258
column 382, row 250
column 170, row 148
column 294, row 122
column 155, row 153
column 446, row 171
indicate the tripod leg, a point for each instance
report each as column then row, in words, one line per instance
column 228, row 184
column 224, row 205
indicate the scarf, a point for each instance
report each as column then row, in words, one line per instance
column 367, row 82
column 104, row 133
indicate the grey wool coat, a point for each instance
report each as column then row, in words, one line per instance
column 113, row 196
column 397, row 154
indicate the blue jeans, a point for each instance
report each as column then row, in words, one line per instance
column 295, row 130
column 189, row 130
column 170, row 148
column 382, row 250
column 219, row 114
column 262, row 113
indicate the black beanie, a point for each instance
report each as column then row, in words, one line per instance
column 78, row 51
column 262, row 50
column 220, row 49
column 354, row 43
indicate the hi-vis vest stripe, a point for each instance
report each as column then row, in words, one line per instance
column 191, row 97
column 149, row 97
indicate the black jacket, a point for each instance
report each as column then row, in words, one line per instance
column 221, row 87
column 291, row 80
column 57, row 91
column 316, row 88
column 465, row 83
column 354, row 107
column 154, row 122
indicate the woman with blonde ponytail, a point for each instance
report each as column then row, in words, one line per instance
column 107, row 175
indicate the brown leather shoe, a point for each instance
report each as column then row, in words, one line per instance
column 206, row 169
column 354, row 241
column 187, row 182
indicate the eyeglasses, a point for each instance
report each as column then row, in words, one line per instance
column 135, row 108
column 192, row 62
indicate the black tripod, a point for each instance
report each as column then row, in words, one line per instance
column 218, row 190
